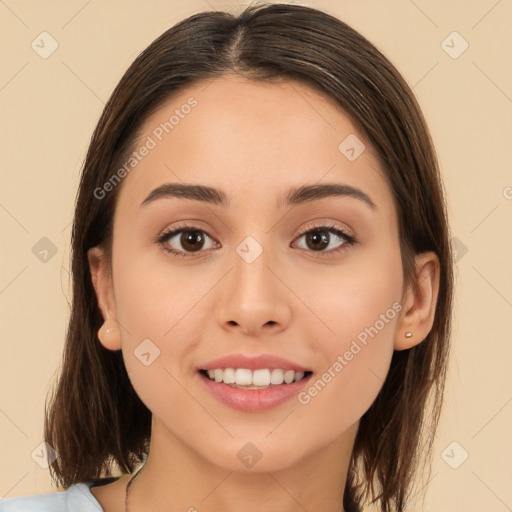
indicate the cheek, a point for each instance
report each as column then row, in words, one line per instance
column 343, row 301
column 359, row 310
column 155, row 299
column 156, row 310
column 342, row 393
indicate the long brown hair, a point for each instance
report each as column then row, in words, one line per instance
column 94, row 418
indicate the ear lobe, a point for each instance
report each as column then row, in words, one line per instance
column 420, row 301
column 109, row 333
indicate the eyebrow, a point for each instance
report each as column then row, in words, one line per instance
column 296, row 196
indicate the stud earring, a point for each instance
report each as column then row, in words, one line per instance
column 109, row 335
column 103, row 330
column 408, row 334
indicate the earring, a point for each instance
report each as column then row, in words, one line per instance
column 104, row 331
column 408, row 334
column 109, row 335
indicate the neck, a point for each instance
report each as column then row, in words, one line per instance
column 175, row 477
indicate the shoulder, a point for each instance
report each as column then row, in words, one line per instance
column 76, row 498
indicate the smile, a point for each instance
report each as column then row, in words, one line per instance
column 254, row 379
column 248, row 397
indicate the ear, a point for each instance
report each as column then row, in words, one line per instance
column 109, row 333
column 419, row 304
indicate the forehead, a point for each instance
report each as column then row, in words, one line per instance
column 250, row 139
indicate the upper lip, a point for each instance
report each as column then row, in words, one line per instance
column 269, row 361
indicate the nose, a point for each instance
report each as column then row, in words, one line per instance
column 253, row 300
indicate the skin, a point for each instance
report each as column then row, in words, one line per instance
column 254, row 141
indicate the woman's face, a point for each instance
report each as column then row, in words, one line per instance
column 256, row 274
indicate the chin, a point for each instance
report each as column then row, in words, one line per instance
column 257, row 454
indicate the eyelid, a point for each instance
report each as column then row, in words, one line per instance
column 328, row 225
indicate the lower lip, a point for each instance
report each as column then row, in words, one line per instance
column 254, row 400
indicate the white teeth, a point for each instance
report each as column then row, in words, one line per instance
column 229, row 376
column 289, row 376
column 243, row 377
column 259, row 378
column 277, row 377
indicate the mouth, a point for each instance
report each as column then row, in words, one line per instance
column 253, row 391
column 253, row 383
column 263, row 378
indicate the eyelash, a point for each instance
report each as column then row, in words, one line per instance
column 331, row 228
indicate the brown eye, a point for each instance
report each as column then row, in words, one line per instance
column 192, row 240
column 317, row 240
column 184, row 240
column 325, row 240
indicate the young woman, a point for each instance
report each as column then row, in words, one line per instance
column 262, row 279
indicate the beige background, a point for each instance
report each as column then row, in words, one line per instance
column 50, row 107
